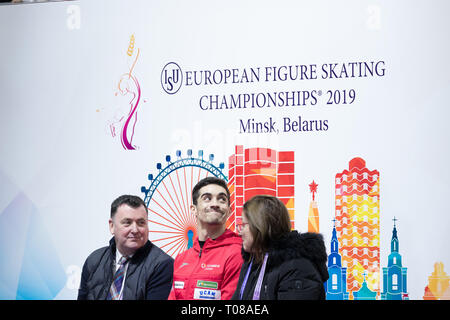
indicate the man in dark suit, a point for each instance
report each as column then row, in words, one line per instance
column 131, row 267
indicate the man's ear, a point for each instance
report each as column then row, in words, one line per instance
column 111, row 226
column 193, row 210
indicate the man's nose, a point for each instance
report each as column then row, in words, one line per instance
column 214, row 206
column 214, row 202
column 134, row 227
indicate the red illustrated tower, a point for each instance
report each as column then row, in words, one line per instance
column 313, row 213
column 256, row 171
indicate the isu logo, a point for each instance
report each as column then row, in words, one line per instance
column 171, row 78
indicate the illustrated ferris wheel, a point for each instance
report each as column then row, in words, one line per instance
column 172, row 226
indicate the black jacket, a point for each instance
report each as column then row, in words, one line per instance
column 149, row 274
column 296, row 270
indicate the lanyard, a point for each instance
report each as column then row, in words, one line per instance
column 257, row 291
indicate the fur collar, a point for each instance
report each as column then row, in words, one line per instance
column 295, row 245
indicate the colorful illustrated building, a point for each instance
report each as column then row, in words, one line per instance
column 313, row 213
column 255, row 171
column 358, row 224
column 336, row 285
column 438, row 287
column 394, row 275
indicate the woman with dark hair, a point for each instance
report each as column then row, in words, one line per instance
column 279, row 264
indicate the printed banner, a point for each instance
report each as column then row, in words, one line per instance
column 338, row 109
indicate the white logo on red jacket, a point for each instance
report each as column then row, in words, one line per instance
column 209, row 266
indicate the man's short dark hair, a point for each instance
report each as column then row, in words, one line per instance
column 206, row 181
column 130, row 200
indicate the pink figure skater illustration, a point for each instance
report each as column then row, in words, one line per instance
column 128, row 86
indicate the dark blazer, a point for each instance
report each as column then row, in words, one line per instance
column 149, row 274
column 296, row 270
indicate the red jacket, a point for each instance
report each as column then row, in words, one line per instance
column 211, row 272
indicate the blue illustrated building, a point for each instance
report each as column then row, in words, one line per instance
column 336, row 285
column 365, row 293
column 394, row 275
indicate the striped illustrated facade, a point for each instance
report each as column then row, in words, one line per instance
column 255, row 171
column 358, row 224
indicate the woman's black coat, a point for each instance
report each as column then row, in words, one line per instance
column 296, row 270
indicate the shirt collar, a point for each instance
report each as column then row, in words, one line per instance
column 119, row 255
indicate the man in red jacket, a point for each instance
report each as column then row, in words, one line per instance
column 210, row 269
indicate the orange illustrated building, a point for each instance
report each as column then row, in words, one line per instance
column 438, row 287
column 358, row 224
column 256, row 171
column 313, row 213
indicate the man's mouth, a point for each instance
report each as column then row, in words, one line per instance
column 216, row 211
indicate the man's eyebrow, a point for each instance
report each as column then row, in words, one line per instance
column 205, row 194
column 209, row 194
